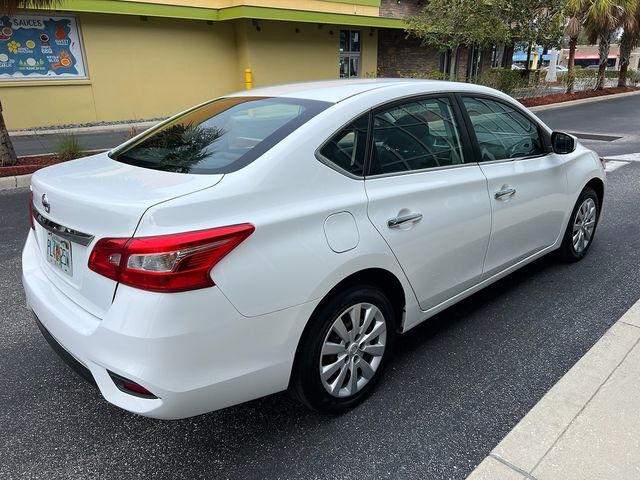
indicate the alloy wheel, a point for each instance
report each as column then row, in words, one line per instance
column 584, row 225
column 352, row 349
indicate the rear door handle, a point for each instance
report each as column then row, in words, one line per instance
column 404, row 219
column 505, row 192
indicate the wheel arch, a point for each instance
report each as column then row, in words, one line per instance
column 598, row 185
column 380, row 278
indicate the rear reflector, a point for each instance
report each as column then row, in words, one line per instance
column 167, row 263
column 128, row 386
column 31, row 219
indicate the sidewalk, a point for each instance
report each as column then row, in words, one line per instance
column 100, row 137
column 588, row 425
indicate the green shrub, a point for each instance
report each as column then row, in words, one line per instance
column 69, row 148
column 133, row 132
column 433, row 75
column 503, row 79
column 584, row 79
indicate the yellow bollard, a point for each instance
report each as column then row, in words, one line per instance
column 248, row 79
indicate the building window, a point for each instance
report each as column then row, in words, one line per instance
column 349, row 53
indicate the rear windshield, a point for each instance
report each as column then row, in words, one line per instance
column 219, row 137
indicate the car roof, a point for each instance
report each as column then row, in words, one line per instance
column 337, row 90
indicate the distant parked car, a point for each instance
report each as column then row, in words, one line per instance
column 559, row 68
column 281, row 238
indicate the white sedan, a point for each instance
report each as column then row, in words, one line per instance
column 282, row 238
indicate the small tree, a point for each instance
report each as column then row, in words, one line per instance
column 449, row 24
column 7, row 153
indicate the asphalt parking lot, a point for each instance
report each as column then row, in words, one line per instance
column 457, row 385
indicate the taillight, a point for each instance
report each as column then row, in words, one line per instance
column 33, row 223
column 167, row 263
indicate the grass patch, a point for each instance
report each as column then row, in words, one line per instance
column 69, row 148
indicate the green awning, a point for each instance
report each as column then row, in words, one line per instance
column 117, row 7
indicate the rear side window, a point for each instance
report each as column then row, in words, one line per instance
column 414, row 136
column 219, row 137
column 346, row 149
column 502, row 132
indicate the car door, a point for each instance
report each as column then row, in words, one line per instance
column 430, row 206
column 526, row 181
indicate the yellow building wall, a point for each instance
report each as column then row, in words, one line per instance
column 369, row 55
column 145, row 69
column 285, row 52
column 155, row 68
column 137, row 70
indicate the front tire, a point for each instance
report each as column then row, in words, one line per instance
column 343, row 353
column 581, row 228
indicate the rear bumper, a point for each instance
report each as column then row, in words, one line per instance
column 75, row 365
column 192, row 350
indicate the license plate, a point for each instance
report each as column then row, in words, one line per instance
column 59, row 253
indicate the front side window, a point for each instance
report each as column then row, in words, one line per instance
column 414, row 136
column 219, row 137
column 346, row 149
column 502, row 132
column 349, row 53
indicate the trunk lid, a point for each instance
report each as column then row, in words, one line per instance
column 89, row 199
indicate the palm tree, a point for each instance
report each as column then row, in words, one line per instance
column 7, row 153
column 630, row 40
column 575, row 10
column 603, row 18
column 602, row 21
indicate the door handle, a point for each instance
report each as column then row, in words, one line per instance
column 505, row 192
column 403, row 220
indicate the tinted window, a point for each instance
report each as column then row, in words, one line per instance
column 502, row 131
column 415, row 135
column 347, row 148
column 219, row 137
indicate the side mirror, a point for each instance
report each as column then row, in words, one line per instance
column 563, row 142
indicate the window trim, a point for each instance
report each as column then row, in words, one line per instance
column 465, row 140
column 469, row 143
column 542, row 133
column 365, row 163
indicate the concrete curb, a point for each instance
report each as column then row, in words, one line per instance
column 97, row 129
column 582, row 101
column 542, row 444
column 18, row 181
column 21, row 181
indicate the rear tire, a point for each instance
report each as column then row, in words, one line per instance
column 581, row 228
column 344, row 351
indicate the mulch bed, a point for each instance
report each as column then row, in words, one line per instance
column 31, row 163
column 563, row 97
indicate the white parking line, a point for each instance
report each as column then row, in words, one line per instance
column 612, row 165
column 629, row 157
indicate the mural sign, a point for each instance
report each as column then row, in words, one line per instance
column 40, row 47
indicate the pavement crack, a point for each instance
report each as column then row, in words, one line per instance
column 630, row 324
column 512, row 466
